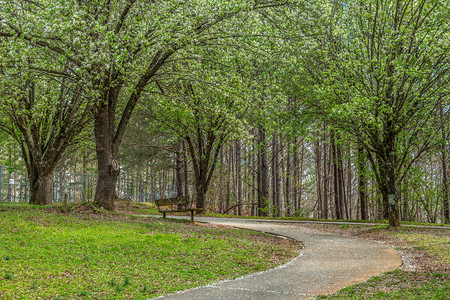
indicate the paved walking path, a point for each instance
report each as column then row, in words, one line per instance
column 327, row 263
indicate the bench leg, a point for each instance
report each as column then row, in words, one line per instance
column 192, row 216
column 164, row 215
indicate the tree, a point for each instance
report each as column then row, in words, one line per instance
column 118, row 48
column 44, row 116
column 386, row 61
column 205, row 117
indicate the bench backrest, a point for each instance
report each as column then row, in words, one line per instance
column 181, row 200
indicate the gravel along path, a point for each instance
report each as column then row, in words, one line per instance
column 326, row 264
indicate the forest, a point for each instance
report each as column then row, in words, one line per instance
column 325, row 109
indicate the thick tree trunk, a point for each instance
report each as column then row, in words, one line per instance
column 107, row 165
column 42, row 188
column 394, row 216
column 201, row 195
column 108, row 171
column 388, row 182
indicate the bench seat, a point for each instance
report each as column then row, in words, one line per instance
column 172, row 205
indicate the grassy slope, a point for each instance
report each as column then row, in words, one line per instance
column 109, row 256
column 427, row 277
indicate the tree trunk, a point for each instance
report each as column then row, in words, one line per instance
column 276, row 175
column 349, row 186
column 107, row 165
column 300, row 182
column 178, row 169
column 394, row 217
column 263, row 172
column 318, row 167
column 445, row 202
column 255, row 175
column 41, row 188
column 295, row 181
column 185, row 169
column 341, row 182
column 336, row 188
column 287, row 188
column 201, row 196
column 325, row 180
column 238, row 177
column 362, row 183
column 388, row 182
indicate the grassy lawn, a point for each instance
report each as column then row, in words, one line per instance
column 398, row 285
column 83, row 254
column 425, row 273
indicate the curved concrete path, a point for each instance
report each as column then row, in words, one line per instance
column 327, row 263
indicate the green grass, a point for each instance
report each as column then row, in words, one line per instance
column 216, row 215
column 435, row 245
column 110, row 256
column 398, row 285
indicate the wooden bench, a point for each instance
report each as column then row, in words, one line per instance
column 176, row 204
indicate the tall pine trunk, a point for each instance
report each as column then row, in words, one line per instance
column 318, row 167
column 287, row 188
column 362, row 183
column 445, row 202
column 276, row 175
column 178, row 169
column 325, row 179
column 238, row 177
column 263, row 174
column 336, row 188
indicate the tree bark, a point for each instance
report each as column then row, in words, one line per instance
column 185, row 169
column 263, row 174
column 276, row 175
column 349, row 186
column 336, row 189
column 238, row 177
column 178, row 169
column 288, row 181
column 445, row 202
column 318, row 167
column 325, row 179
column 107, row 165
column 362, row 183
column 341, row 182
column 295, row 181
column 388, row 181
column 42, row 188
